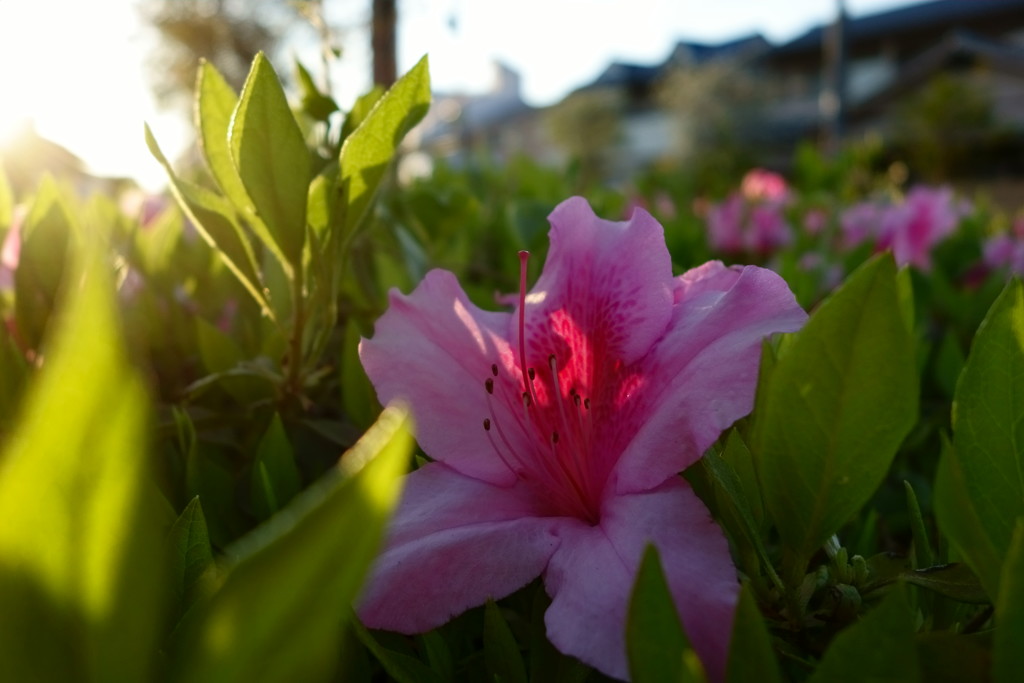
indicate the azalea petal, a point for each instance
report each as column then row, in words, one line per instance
column 590, row 577
column 434, row 349
column 701, row 376
column 610, row 280
column 454, row 542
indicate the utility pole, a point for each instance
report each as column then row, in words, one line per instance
column 385, row 19
column 832, row 102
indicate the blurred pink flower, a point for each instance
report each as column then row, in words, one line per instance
column 759, row 184
column 738, row 225
column 10, row 252
column 860, row 223
column 558, row 432
column 815, row 221
column 1004, row 251
column 926, row 217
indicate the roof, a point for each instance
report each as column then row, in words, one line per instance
column 917, row 18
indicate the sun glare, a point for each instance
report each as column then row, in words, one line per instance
column 72, row 71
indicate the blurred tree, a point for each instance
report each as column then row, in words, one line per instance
column 588, row 125
column 944, row 126
column 717, row 105
column 228, row 33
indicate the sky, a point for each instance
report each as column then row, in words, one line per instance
column 77, row 68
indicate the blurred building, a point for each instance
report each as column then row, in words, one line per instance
column 942, row 82
column 949, row 68
column 497, row 123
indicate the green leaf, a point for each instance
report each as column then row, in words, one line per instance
column 270, row 154
column 287, row 592
column 751, row 653
column 400, row 667
column 6, row 202
column 501, row 652
column 1007, row 654
column 215, row 103
column 922, row 545
column 316, row 104
column 949, row 363
column 275, row 479
column 879, row 647
column 45, row 238
column 80, row 544
column 954, row 580
column 738, row 497
column 751, row 657
column 840, row 399
column 360, row 110
column 988, row 421
column 958, row 519
column 212, row 217
column 656, row 644
column 368, row 150
column 191, row 554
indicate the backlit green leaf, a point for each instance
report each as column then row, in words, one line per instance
column 366, row 153
column 80, row 544
column 270, row 154
column 287, row 591
column 215, row 103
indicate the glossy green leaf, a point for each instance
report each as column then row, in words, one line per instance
column 287, row 592
column 1007, row 653
column 501, row 652
column 366, row 153
column 751, row 657
column 270, row 154
column 191, row 553
column 988, row 420
column 839, row 401
column 958, row 519
column 275, row 478
column 80, row 545
column 656, row 644
column 879, row 647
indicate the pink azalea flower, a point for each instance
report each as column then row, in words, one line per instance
column 568, row 469
column 927, row 216
column 738, row 224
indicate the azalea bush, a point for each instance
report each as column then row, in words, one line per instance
column 298, row 421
